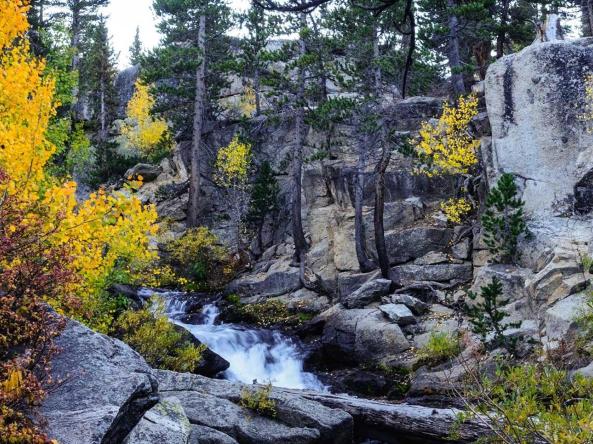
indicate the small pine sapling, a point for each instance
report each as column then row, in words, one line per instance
column 487, row 318
column 503, row 221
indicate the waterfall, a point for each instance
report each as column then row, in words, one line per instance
column 265, row 356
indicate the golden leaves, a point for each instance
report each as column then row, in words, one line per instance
column 232, row 163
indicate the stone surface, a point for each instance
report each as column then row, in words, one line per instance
column 398, row 313
column 208, row 435
column 416, row 305
column 166, row 422
column 407, row 274
column 561, row 318
column 107, row 388
column 369, row 292
column 360, row 335
column 535, row 100
column 280, row 278
column 306, row 301
column 513, row 279
column 147, row 171
column 412, row 243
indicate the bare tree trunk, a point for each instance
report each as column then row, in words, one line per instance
column 194, row 183
column 320, row 64
column 453, row 50
column 381, row 168
column 382, row 255
column 256, row 88
column 76, row 107
column 501, row 37
column 364, row 262
column 300, row 243
column 103, row 113
column 587, row 18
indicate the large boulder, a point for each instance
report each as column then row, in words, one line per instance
column 452, row 273
column 146, row 171
column 536, row 100
column 369, row 292
column 277, row 279
column 412, row 243
column 107, row 387
column 166, row 422
column 562, row 318
column 360, row 335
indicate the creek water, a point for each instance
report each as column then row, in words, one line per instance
column 262, row 355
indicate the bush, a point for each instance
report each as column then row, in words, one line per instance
column 487, row 318
column 199, row 256
column 503, row 220
column 440, row 348
column 150, row 333
column 259, row 400
column 532, row 403
column 266, row 314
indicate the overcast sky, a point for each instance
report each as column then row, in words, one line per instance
column 126, row 15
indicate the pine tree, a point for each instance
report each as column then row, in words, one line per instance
column 136, row 49
column 503, row 221
column 487, row 318
column 264, row 200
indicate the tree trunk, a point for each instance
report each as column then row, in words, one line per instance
column 194, row 183
column 76, row 108
column 453, row 50
column 300, row 243
column 320, row 64
column 587, row 18
column 364, row 262
column 501, row 35
column 256, row 88
column 380, row 169
column 102, row 113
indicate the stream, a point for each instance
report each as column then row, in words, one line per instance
column 262, row 355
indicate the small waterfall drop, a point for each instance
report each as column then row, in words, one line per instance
column 265, row 356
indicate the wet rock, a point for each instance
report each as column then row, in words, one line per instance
column 398, row 313
column 166, row 422
column 369, row 292
column 107, row 388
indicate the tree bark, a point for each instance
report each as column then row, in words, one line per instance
column 501, row 35
column 380, row 169
column 300, row 243
column 256, row 88
column 587, row 18
column 453, row 51
column 194, row 187
column 76, row 108
column 364, row 262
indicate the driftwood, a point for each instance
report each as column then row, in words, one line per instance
column 397, row 423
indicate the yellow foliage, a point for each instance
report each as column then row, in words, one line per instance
column 13, row 383
column 448, row 147
column 106, row 232
column 247, row 106
column 142, row 130
column 232, row 164
column 259, row 400
column 456, row 209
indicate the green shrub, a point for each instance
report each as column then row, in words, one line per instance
column 503, row 221
column 532, row 403
column 150, row 333
column 440, row 347
column 199, row 256
column 259, row 400
column 487, row 318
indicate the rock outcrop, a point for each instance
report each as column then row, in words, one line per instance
column 108, row 394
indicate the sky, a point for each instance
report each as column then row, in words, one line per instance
column 126, row 15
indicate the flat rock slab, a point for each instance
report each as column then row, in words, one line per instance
column 398, row 313
column 369, row 292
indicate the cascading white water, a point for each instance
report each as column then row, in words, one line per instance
column 265, row 356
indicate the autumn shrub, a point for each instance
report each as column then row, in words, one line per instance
column 259, row 400
column 447, row 147
column 267, row 313
column 199, row 256
column 150, row 333
column 456, row 210
column 531, row 403
column 441, row 347
column 148, row 134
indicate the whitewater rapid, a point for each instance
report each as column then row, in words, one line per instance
column 265, row 356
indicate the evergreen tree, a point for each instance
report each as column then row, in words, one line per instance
column 188, row 70
column 264, row 200
column 487, row 318
column 136, row 49
column 503, row 221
